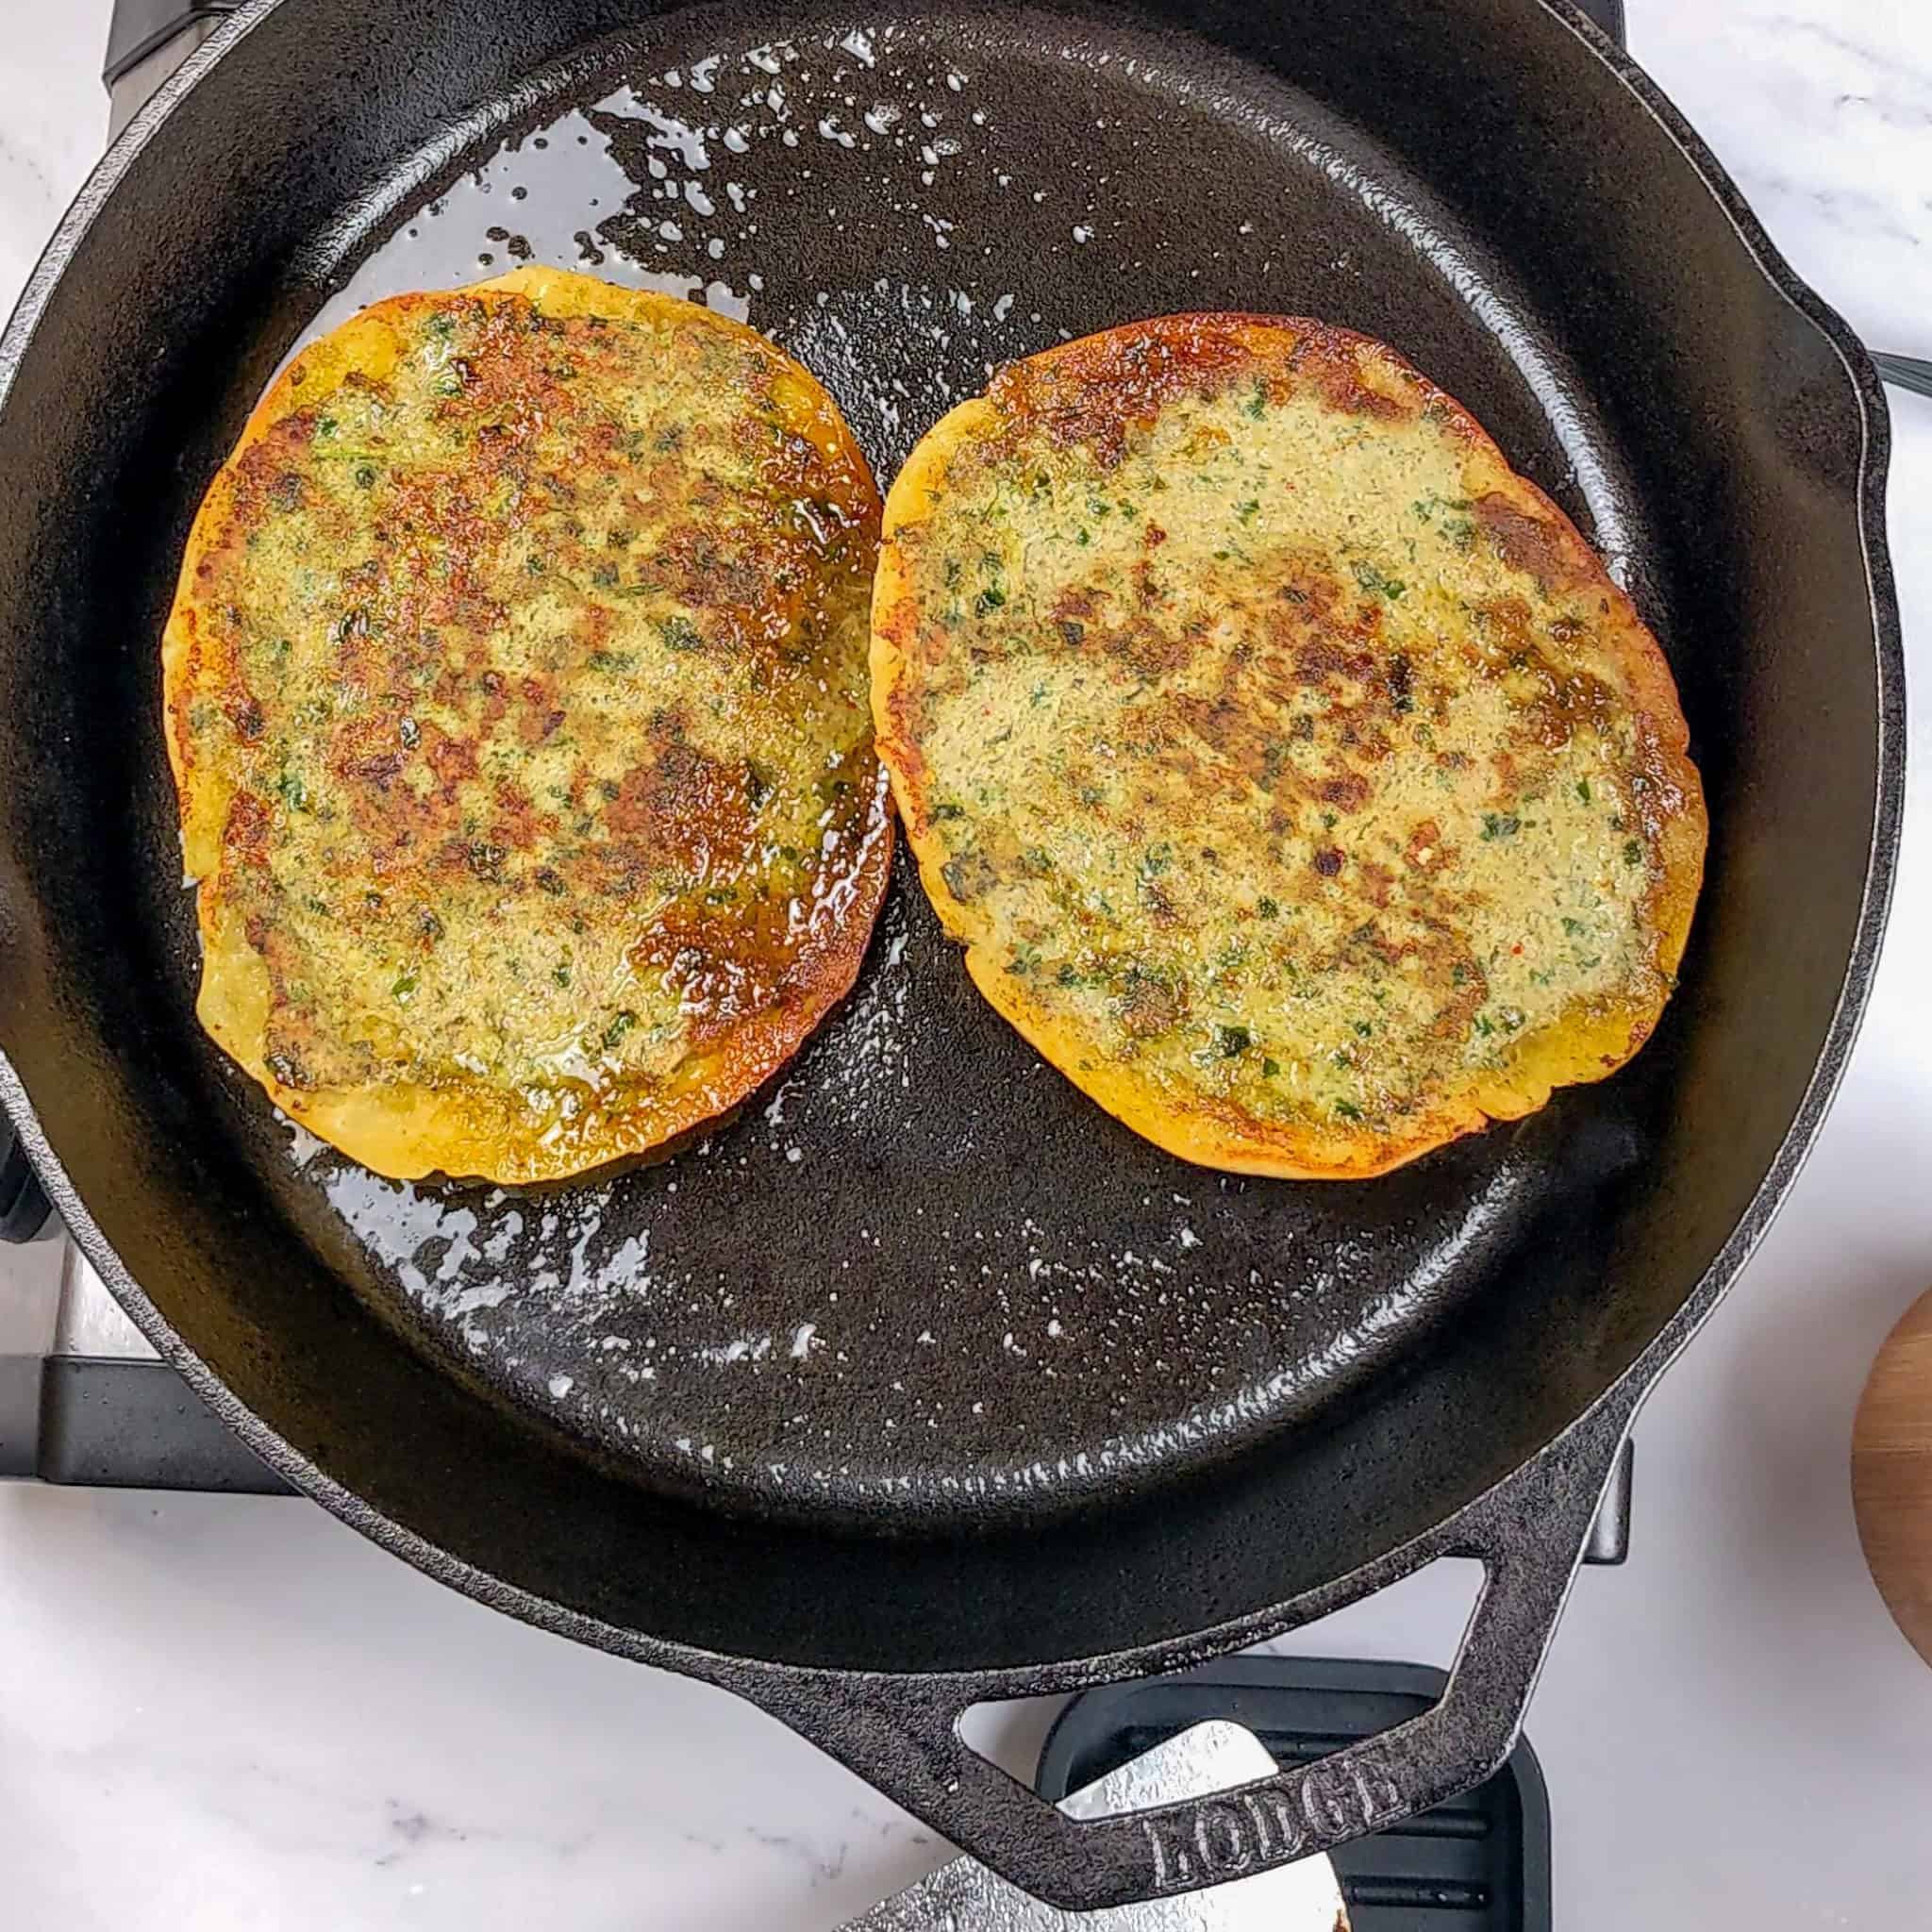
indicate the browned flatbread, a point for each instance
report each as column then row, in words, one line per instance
column 516, row 696
column 1298, row 781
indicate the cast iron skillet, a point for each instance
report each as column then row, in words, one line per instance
column 924, row 1382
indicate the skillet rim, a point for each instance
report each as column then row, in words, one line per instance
column 1617, row 1401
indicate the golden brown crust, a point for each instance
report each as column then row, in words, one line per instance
column 489, row 842
column 1087, row 413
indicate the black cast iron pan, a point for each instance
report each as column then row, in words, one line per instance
column 924, row 1382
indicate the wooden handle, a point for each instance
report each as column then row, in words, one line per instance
column 1891, row 1474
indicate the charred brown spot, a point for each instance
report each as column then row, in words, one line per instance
column 1425, row 847
column 1323, row 658
column 1401, row 684
column 1332, row 366
column 1094, row 393
column 1533, row 546
column 515, row 823
column 1150, row 1007
column 1141, row 649
column 1328, row 861
column 1348, row 790
column 723, row 970
column 687, row 806
column 453, row 760
column 246, row 830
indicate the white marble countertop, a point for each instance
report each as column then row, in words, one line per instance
column 230, row 1712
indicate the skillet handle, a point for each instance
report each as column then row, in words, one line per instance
column 902, row 1734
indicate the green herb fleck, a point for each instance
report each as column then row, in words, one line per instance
column 1265, row 907
column 405, row 988
column 1373, row 579
column 1498, row 824
column 1269, row 1068
column 1246, row 511
column 1348, row 1109
column 620, row 1024
column 1233, row 1039
column 1583, row 790
column 1633, row 851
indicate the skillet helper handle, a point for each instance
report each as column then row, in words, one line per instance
column 1905, row 371
column 138, row 28
column 902, row 1734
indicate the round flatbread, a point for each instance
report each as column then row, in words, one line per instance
column 1299, row 783
column 516, row 696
